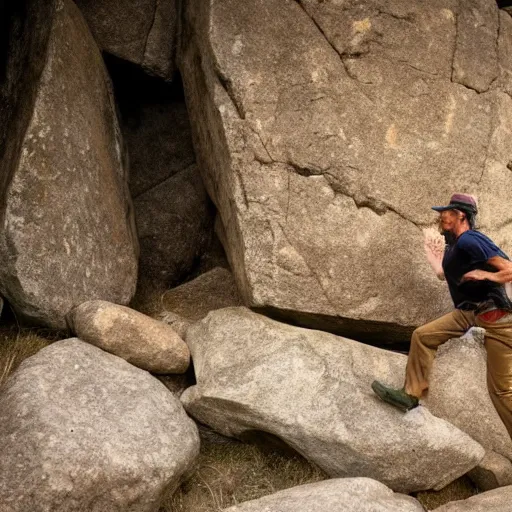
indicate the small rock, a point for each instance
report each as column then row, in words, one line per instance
column 137, row 338
column 212, row 290
column 177, row 322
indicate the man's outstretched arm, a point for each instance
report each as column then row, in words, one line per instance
column 502, row 265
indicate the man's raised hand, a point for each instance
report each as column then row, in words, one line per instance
column 434, row 245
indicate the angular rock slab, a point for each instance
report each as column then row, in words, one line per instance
column 175, row 226
column 312, row 390
column 139, row 339
column 314, row 123
column 335, row 495
column 67, row 231
column 458, row 393
column 215, row 289
column 81, row 429
column 142, row 32
column 497, row 500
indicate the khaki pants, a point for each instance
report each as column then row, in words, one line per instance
column 498, row 344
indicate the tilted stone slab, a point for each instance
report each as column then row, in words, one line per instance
column 458, row 393
column 194, row 299
column 335, row 495
column 314, row 120
column 81, row 429
column 67, row 231
column 312, row 390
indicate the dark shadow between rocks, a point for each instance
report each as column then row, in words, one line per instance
column 385, row 335
column 269, row 443
column 174, row 214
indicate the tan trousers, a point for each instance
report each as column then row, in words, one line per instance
column 498, row 344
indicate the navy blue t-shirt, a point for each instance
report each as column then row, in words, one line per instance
column 470, row 252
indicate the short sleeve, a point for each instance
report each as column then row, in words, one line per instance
column 480, row 249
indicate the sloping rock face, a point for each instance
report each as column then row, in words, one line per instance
column 212, row 290
column 497, row 500
column 142, row 32
column 458, row 393
column 313, row 122
column 81, row 429
column 137, row 338
column 192, row 301
column 336, row 495
column 66, row 220
column 312, row 390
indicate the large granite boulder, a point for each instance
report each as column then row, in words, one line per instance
column 81, row 429
column 313, row 122
column 312, row 390
column 142, row 341
column 67, row 231
column 335, row 495
column 458, row 393
column 142, row 32
column 497, row 500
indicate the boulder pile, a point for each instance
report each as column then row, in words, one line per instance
column 223, row 202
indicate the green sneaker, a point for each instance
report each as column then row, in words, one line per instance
column 397, row 397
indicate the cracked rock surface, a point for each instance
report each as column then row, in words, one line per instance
column 325, row 131
column 67, row 230
column 312, row 390
column 142, row 32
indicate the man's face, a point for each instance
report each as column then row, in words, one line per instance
column 450, row 219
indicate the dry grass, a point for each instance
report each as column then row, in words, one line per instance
column 233, row 472
column 16, row 344
column 230, row 473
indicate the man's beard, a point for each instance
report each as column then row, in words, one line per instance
column 449, row 237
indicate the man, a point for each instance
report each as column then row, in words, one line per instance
column 476, row 271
